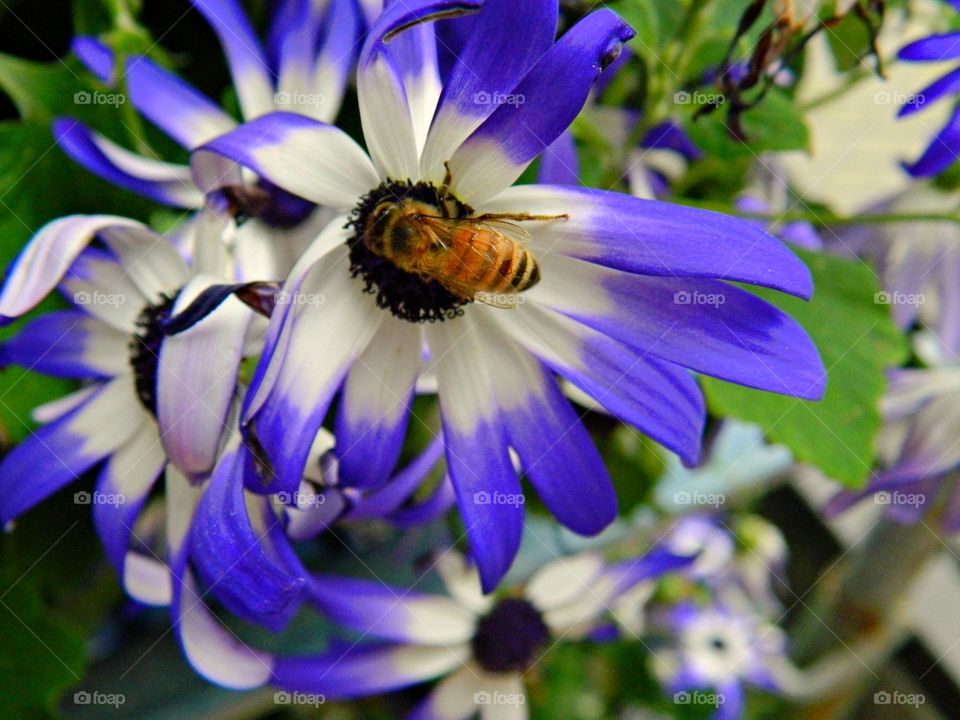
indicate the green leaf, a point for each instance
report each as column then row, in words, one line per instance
column 857, row 341
column 774, row 125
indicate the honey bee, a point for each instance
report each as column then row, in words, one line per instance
column 470, row 256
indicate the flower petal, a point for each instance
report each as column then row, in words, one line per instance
column 360, row 671
column 211, row 648
column 451, row 699
column 68, row 344
column 174, row 106
column 248, row 65
column 194, row 397
column 45, row 260
column 401, row 487
column 945, row 86
column 705, row 325
column 462, row 581
column 559, row 164
column 58, row 453
column 658, row 397
column 477, row 456
column 96, row 57
column 393, row 613
column 563, row 580
column 230, row 555
column 544, row 104
column 342, row 31
column 149, row 260
column 96, row 275
column 308, row 158
column 941, row 153
column 122, row 489
column 654, row 238
column 507, row 38
column 305, row 379
column 556, row 453
column 164, row 182
column 375, row 405
column 932, row 48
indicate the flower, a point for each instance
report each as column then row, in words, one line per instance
column 941, row 152
column 149, row 404
column 482, row 645
column 715, row 648
column 312, row 48
column 631, row 292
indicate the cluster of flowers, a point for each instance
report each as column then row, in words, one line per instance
column 263, row 358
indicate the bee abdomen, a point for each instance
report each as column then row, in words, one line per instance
column 518, row 270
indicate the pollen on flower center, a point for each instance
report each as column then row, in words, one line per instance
column 409, row 296
column 509, row 638
column 145, row 350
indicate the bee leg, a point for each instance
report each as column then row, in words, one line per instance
column 524, row 217
column 447, row 179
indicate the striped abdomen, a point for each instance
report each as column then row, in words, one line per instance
column 488, row 261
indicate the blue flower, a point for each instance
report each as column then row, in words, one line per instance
column 304, row 69
column 149, row 409
column 942, row 150
column 481, row 645
column 632, row 293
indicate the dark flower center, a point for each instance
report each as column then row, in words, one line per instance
column 145, row 350
column 268, row 203
column 407, row 295
column 509, row 638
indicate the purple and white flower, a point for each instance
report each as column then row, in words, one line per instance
column 617, row 311
column 481, row 645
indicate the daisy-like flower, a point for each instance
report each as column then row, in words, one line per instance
column 152, row 401
column 622, row 308
column 941, row 153
column 305, row 69
column 482, row 645
column 720, row 650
